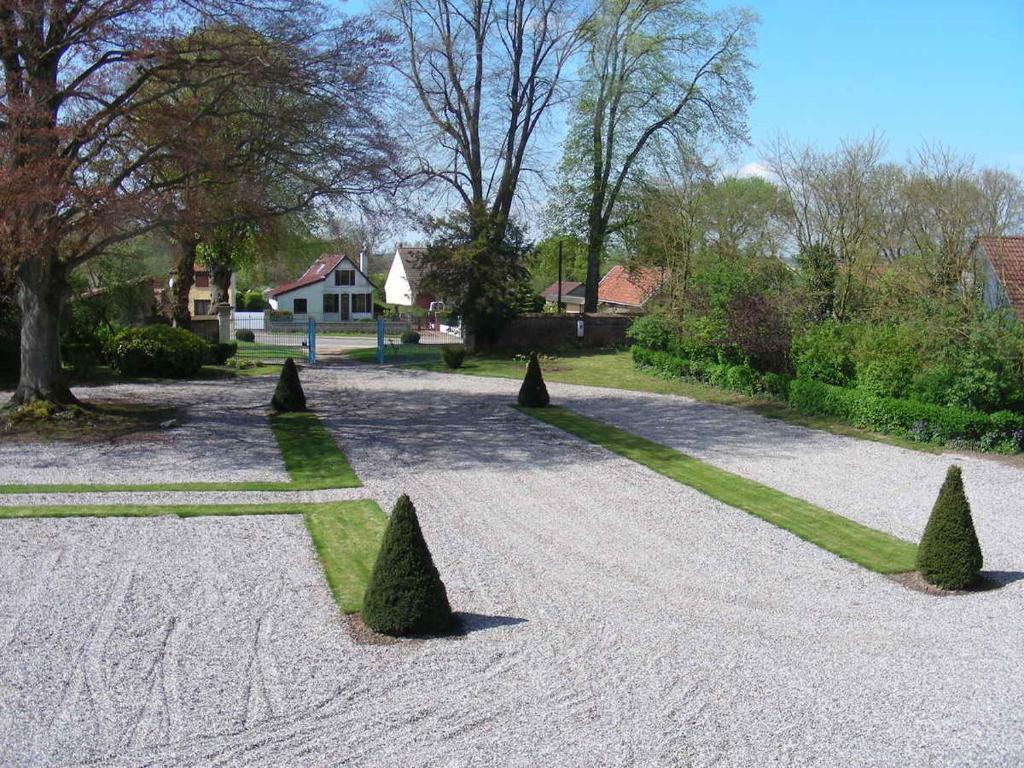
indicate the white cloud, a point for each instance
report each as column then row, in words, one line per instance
column 754, row 169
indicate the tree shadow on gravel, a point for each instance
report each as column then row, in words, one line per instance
column 478, row 622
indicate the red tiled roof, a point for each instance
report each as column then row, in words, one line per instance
column 569, row 288
column 1006, row 255
column 631, row 288
column 317, row 271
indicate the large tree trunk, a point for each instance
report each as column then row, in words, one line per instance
column 42, row 289
column 595, row 245
column 220, row 285
column 184, row 279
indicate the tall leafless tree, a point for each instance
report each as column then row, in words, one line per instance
column 482, row 76
column 653, row 68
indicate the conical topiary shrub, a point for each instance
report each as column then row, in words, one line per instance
column 406, row 596
column 533, row 393
column 949, row 555
column 288, row 396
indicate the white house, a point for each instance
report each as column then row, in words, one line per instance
column 402, row 286
column 332, row 289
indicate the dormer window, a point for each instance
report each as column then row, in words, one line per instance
column 345, row 277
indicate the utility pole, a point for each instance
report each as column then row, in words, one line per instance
column 559, row 277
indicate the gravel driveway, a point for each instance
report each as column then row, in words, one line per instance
column 221, row 435
column 617, row 618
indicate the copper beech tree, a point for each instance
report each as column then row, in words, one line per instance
column 112, row 116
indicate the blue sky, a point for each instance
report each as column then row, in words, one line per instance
column 948, row 71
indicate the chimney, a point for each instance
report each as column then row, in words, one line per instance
column 362, row 262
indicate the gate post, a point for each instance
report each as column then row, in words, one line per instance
column 311, row 341
column 380, row 339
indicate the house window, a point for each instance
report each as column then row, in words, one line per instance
column 330, row 303
column 345, row 277
column 362, row 302
column 202, row 280
column 299, row 307
column 202, row 307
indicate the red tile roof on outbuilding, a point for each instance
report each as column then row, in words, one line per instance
column 569, row 288
column 318, row 271
column 1006, row 255
column 632, row 288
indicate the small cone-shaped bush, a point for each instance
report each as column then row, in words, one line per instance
column 949, row 555
column 288, row 396
column 406, row 596
column 533, row 393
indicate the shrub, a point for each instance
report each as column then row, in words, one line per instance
column 908, row 418
column 410, row 337
column 156, row 350
column 737, row 377
column 651, row 332
column 453, row 355
column 405, row 596
column 288, row 395
column 759, row 332
column 221, row 353
column 949, row 555
column 533, row 393
column 245, row 334
column 824, row 354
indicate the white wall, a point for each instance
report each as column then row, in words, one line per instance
column 396, row 288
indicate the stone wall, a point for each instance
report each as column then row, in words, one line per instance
column 545, row 332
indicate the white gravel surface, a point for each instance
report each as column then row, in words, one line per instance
column 222, row 436
column 618, row 618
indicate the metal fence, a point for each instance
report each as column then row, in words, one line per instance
column 401, row 342
column 261, row 338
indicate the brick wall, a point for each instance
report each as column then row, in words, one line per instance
column 543, row 332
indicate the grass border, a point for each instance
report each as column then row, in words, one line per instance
column 346, row 550
column 311, row 456
column 873, row 549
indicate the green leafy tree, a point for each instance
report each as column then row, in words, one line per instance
column 483, row 279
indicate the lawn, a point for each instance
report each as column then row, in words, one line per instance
column 875, row 550
column 346, row 534
column 428, row 355
column 259, row 350
column 614, row 369
column 311, row 457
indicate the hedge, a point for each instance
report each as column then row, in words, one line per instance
column 739, row 378
column 908, row 418
column 156, row 350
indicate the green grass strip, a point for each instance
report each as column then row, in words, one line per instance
column 875, row 550
column 345, row 534
column 312, row 458
column 347, row 545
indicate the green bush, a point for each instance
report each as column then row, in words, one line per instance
column 221, row 353
column 824, row 354
column 453, row 355
column 651, row 332
column 949, row 555
column 156, row 350
column 288, row 395
column 405, row 596
column 410, row 337
column 533, row 393
column 245, row 334
column 736, row 377
column 907, row 418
